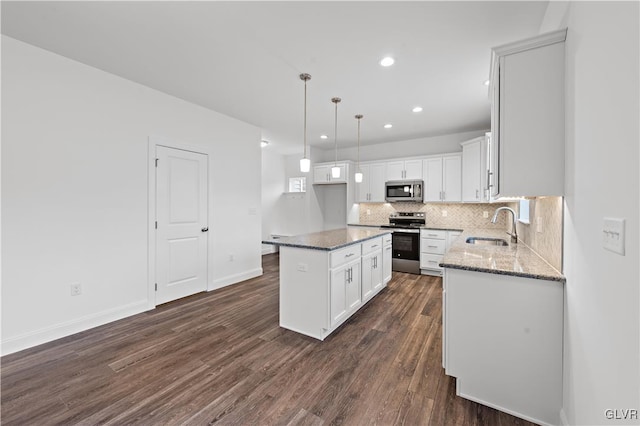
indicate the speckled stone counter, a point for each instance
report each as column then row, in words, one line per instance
column 329, row 240
column 514, row 259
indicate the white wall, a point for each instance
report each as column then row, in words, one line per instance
column 74, row 192
column 407, row 148
column 602, row 320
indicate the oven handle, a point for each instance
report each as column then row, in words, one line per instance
column 406, row 231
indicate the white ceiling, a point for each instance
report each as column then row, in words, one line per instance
column 243, row 58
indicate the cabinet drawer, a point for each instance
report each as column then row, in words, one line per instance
column 430, row 261
column 433, row 233
column 345, row 255
column 431, row 245
column 371, row 245
column 386, row 240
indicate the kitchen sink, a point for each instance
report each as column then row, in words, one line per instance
column 486, row 241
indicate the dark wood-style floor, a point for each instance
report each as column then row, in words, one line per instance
column 221, row 357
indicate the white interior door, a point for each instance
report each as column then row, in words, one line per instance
column 181, row 213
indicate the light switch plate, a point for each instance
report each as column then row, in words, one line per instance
column 613, row 234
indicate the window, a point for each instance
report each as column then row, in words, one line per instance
column 298, row 184
column 523, row 211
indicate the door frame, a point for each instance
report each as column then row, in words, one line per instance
column 153, row 142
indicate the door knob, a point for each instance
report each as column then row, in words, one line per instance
column 205, row 229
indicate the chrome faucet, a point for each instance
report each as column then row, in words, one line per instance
column 514, row 234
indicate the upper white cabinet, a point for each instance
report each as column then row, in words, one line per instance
column 371, row 189
column 475, row 166
column 527, row 117
column 322, row 173
column 443, row 178
column 404, row 170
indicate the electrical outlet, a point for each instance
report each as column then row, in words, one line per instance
column 368, row 212
column 303, row 267
column 232, row 257
column 485, row 214
column 76, row 289
column 444, row 213
column 538, row 224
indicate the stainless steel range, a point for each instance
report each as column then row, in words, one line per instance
column 406, row 241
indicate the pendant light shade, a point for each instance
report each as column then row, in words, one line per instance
column 305, row 163
column 358, row 176
column 335, row 170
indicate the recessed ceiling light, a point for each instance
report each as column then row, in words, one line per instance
column 264, row 143
column 324, row 137
column 417, row 109
column 387, row 61
column 388, row 126
column 486, row 82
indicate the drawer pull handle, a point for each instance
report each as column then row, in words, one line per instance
column 349, row 255
column 432, row 246
column 375, row 245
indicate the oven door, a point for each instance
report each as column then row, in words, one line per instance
column 406, row 244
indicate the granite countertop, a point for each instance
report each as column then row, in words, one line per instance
column 515, row 259
column 328, row 240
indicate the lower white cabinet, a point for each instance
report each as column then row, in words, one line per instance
column 502, row 340
column 345, row 291
column 319, row 289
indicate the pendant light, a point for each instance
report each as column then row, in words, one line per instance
column 305, row 163
column 358, row 175
column 335, row 170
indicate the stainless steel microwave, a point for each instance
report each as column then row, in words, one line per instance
column 404, row 190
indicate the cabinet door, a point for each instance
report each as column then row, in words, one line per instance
column 386, row 264
column 354, row 288
column 321, row 174
column 338, row 308
column 377, row 272
column 432, row 179
column 395, row 170
column 413, row 169
column 376, row 182
column 471, row 174
column 452, row 178
column 362, row 188
column 367, row 275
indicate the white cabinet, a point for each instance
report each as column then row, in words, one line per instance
column 434, row 243
column 322, row 174
column 371, row 274
column 527, row 117
column 474, row 170
column 387, row 255
column 443, row 178
column 404, row 170
column 432, row 249
column 345, row 291
column 502, row 340
column 371, row 189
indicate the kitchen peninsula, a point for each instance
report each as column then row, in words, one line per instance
column 325, row 277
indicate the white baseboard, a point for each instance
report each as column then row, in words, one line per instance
column 235, row 278
column 268, row 249
column 67, row 328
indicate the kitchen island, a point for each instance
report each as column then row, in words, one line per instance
column 325, row 277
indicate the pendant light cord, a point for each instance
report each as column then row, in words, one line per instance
column 335, row 101
column 305, row 118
